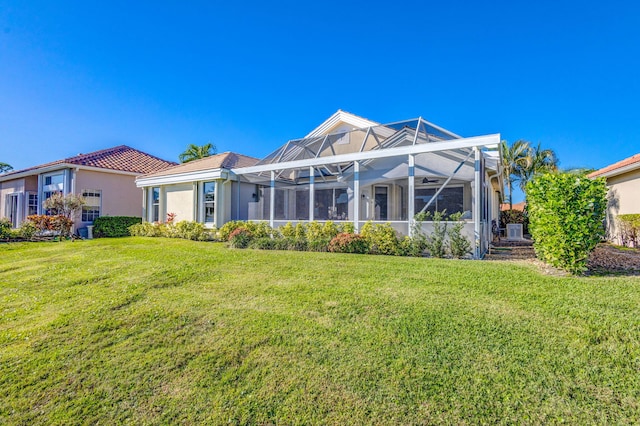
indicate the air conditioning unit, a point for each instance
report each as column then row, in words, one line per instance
column 514, row 232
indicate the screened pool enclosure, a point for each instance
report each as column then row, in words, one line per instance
column 347, row 171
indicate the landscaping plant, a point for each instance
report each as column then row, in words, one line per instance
column 566, row 214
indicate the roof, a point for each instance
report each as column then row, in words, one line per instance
column 226, row 160
column 120, row 158
column 516, row 206
column 620, row 167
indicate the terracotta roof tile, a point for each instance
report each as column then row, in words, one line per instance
column 635, row 159
column 121, row 158
column 225, row 160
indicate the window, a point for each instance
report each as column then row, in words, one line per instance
column 91, row 209
column 450, row 199
column 47, row 195
column 155, row 204
column 209, row 198
column 331, row 204
column 32, row 204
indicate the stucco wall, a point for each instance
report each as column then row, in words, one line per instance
column 179, row 200
column 9, row 187
column 624, row 198
column 120, row 196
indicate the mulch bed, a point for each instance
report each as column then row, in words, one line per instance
column 610, row 259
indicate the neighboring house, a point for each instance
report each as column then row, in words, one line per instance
column 106, row 179
column 623, row 180
column 202, row 190
column 348, row 169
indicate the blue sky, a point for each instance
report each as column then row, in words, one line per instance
column 80, row 76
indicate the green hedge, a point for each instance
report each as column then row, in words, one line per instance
column 114, row 226
column 566, row 214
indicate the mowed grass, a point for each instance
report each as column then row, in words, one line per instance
column 158, row 331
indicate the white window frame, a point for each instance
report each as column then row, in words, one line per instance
column 94, row 192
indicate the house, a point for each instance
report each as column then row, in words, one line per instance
column 106, row 179
column 623, row 180
column 203, row 190
column 348, row 169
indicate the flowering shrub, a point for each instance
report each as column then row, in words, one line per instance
column 240, row 238
column 42, row 222
column 349, row 243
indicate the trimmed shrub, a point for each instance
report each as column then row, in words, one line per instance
column 192, row 231
column 240, row 238
column 435, row 243
column 257, row 229
column 41, row 222
column 146, row 229
column 566, row 214
column 319, row 244
column 382, row 238
column 411, row 247
column 264, row 243
column 27, row 230
column 349, row 243
column 114, row 226
column 288, row 230
column 629, row 226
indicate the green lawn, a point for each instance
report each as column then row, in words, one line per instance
column 141, row 331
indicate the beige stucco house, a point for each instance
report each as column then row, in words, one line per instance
column 204, row 191
column 623, row 180
column 106, row 179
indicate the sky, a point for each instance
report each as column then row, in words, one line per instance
column 76, row 77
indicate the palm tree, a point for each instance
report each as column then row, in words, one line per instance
column 538, row 160
column 195, row 152
column 4, row 167
column 514, row 159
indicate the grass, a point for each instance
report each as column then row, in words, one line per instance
column 158, row 331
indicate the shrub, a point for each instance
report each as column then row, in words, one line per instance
column 411, row 247
column 329, row 230
column 191, row 231
column 349, row 243
column 146, row 229
column 264, row 243
column 114, row 226
column 459, row 245
column 288, row 230
column 629, row 226
column 226, row 229
column 41, row 222
column 314, row 231
column 257, row 229
column 5, row 228
column 566, row 214
column 381, row 237
column 348, row 228
column 300, row 231
column 435, row 242
column 27, row 230
column 64, row 207
column 319, row 244
column 240, row 238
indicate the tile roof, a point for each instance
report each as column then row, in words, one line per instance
column 225, row 160
column 121, row 158
column 635, row 159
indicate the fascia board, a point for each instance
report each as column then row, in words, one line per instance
column 488, row 141
column 620, row 171
column 62, row 166
column 182, row 178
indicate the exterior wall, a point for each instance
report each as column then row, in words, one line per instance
column 180, row 199
column 242, row 194
column 624, row 198
column 119, row 194
column 7, row 188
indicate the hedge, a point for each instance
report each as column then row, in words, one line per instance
column 566, row 214
column 114, row 226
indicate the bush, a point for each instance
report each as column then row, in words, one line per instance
column 146, row 229
column 114, row 226
column 191, row 231
column 629, row 225
column 27, row 230
column 320, row 244
column 257, row 229
column 435, row 243
column 459, row 245
column 240, row 238
column 566, row 214
column 41, row 222
column 382, row 238
column 411, row 247
column 349, row 243
column 5, row 228
column 264, row 243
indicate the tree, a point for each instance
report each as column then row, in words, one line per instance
column 195, row 152
column 4, row 167
column 537, row 161
column 514, row 159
